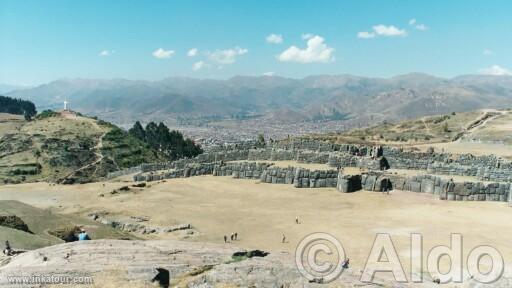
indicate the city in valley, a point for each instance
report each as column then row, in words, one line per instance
column 176, row 144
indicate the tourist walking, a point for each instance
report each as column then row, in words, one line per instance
column 345, row 264
column 8, row 250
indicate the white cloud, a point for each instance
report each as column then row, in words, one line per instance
column 269, row 74
column 388, row 31
column 415, row 24
column 274, row 39
column 192, row 52
column 421, row 27
column 162, row 54
column 495, row 70
column 198, row 65
column 316, row 51
column 487, row 52
column 365, row 35
column 227, row 56
column 382, row 30
column 106, row 53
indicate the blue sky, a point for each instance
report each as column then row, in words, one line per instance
column 41, row 41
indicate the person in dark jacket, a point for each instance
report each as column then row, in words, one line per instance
column 8, row 250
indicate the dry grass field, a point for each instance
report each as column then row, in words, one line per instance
column 262, row 213
column 10, row 123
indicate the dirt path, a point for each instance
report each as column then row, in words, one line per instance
column 97, row 152
column 425, row 124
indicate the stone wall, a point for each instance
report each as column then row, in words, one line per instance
column 488, row 168
column 283, row 155
column 278, row 175
column 480, row 172
column 321, row 146
column 476, row 191
column 419, row 160
column 348, row 183
column 306, row 145
column 272, row 154
column 193, row 169
column 310, row 151
column 259, row 154
column 372, row 181
column 452, row 169
column 128, row 171
column 342, row 160
column 305, row 178
column 375, row 181
column 422, row 184
column 313, row 157
column 241, row 170
column 431, row 184
column 494, row 174
column 346, row 160
column 229, row 155
column 241, row 145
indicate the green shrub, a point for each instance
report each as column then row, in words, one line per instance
column 46, row 114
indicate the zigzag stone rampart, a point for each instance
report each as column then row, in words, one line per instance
column 256, row 164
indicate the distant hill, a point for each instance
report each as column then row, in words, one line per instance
column 314, row 98
column 4, row 88
column 487, row 126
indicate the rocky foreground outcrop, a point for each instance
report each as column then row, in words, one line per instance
column 166, row 263
column 173, row 263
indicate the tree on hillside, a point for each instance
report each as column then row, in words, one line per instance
column 137, row 130
column 151, row 135
column 18, row 107
column 261, row 140
column 171, row 143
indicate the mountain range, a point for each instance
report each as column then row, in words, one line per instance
column 314, row 98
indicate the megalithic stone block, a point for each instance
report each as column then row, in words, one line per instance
column 447, row 187
column 348, row 183
column 510, row 196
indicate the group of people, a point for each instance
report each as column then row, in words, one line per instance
column 8, row 251
column 233, row 237
column 82, row 236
